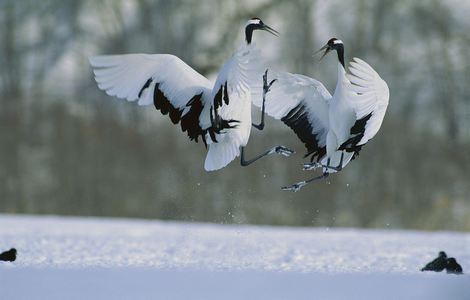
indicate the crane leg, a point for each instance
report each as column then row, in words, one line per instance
column 277, row 149
column 316, row 165
column 297, row 186
column 266, row 88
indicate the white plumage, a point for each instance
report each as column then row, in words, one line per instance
column 219, row 114
column 372, row 96
column 333, row 128
column 237, row 75
column 124, row 76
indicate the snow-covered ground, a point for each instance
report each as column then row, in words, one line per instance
column 90, row 258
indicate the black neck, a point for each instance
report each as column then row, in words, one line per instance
column 340, row 51
column 249, row 33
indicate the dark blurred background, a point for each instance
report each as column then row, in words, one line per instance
column 67, row 148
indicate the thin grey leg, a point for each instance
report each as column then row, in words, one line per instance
column 316, row 165
column 297, row 186
column 278, row 149
column 266, row 88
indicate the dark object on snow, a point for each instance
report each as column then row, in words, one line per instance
column 9, row 255
column 453, row 266
column 438, row 264
column 443, row 262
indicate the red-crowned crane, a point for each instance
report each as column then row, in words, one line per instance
column 219, row 114
column 333, row 128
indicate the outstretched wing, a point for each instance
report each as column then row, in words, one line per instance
column 163, row 80
column 369, row 100
column 301, row 103
column 236, row 78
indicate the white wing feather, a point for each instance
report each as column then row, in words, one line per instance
column 290, row 90
column 124, row 76
column 371, row 96
column 241, row 70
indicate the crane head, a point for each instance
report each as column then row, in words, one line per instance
column 257, row 24
column 333, row 44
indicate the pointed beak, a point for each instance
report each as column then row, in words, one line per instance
column 326, row 48
column 270, row 30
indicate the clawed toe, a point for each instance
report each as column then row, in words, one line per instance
column 295, row 187
column 284, row 151
column 311, row 166
column 266, row 86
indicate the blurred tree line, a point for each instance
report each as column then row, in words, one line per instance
column 67, row 148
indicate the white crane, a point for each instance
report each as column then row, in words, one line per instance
column 219, row 114
column 333, row 128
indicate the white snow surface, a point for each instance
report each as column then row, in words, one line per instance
column 92, row 258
